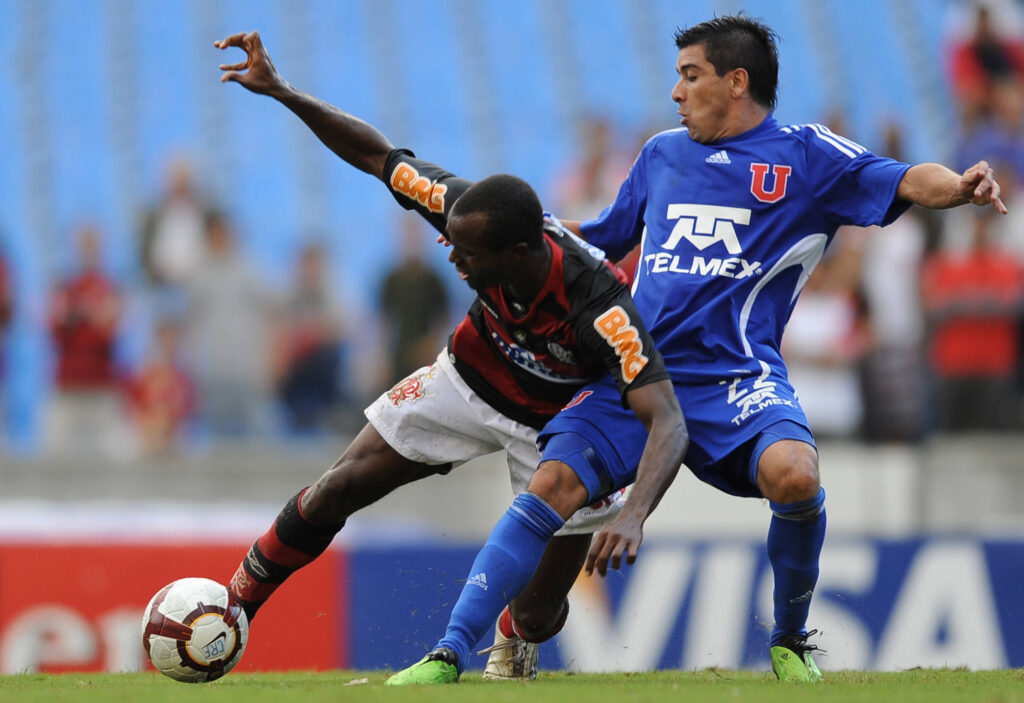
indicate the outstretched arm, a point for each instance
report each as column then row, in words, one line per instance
column 656, row 406
column 357, row 142
column 935, row 186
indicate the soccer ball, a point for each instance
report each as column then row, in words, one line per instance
column 194, row 630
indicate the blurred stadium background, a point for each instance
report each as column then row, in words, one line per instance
column 103, row 99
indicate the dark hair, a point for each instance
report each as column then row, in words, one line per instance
column 513, row 210
column 737, row 41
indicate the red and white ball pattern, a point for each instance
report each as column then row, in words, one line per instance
column 194, row 630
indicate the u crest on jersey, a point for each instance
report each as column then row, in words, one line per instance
column 759, row 174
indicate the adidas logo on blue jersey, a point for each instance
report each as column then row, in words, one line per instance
column 478, row 580
column 719, row 157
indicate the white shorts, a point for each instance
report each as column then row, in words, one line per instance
column 433, row 417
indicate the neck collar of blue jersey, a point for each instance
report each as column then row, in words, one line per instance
column 768, row 124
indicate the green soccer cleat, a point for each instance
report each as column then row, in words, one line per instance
column 437, row 667
column 793, row 660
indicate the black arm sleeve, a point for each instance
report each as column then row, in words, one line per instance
column 612, row 328
column 423, row 186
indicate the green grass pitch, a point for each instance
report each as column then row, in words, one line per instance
column 707, row 686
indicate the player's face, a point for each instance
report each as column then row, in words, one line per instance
column 480, row 267
column 702, row 95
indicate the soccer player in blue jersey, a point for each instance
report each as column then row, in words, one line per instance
column 733, row 211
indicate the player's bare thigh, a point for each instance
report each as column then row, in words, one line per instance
column 787, row 471
column 369, row 469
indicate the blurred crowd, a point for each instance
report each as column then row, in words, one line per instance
column 227, row 356
column 917, row 328
column 901, row 332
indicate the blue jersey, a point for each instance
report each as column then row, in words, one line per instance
column 730, row 233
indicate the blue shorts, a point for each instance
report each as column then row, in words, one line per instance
column 730, row 425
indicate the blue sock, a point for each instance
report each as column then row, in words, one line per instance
column 795, row 538
column 502, row 568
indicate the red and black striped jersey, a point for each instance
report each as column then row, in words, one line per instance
column 528, row 363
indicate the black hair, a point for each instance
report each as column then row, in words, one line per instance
column 737, row 41
column 513, row 210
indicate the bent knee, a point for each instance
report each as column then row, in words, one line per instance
column 559, row 486
column 788, row 472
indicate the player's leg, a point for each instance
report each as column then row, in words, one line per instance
column 368, row 470
column 579, row 465
column 420, row 427
column 540, row 609
column 502, row 568
column 539, row 612
column 787, row 474
column 769, row 454
column 510, row 557
column 577, row 438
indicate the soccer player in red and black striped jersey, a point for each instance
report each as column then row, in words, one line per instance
column 551, row 315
